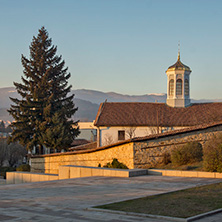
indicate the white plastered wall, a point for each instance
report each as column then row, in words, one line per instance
column 109, row 135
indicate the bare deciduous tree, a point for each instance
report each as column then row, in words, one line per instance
column 12, row 153
column 130, row 132
column 108, row 139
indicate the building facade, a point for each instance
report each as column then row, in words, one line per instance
column 116, row 122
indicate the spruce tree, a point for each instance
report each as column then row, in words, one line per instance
column 43, row 114
column 2, row 126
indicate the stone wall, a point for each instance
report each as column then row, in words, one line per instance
column 149, row 153
column 50, row 163
column 135, row 153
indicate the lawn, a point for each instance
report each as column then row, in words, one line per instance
column 183, row 204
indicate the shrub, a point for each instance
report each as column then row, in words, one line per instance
column 189, row 153
column 23, row 167
column 212, row 158
column 166, row 158
column 116, row 164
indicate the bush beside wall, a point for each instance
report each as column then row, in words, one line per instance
column 212, row 159
column 116, row 164
column 189, row 153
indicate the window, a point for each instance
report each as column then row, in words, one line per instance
column 171, row 87
column 121, row 135
column 186, row 87
column 179, row 87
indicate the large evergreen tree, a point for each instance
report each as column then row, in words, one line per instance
column 43, row 114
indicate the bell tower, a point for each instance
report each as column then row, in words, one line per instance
column 178, row 84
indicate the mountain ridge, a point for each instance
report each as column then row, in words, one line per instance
column 88, row 101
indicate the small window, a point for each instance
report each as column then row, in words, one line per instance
column 187, row 87
column 171, row 87
column 121, row 135
column 179, row 87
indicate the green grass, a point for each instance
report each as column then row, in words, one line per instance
column 183, row 204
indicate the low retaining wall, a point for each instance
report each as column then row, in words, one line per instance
column 50, row 163
column 68, row 172
column 181, row 173
column 27, row 177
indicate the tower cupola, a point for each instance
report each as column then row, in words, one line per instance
column 178, row 84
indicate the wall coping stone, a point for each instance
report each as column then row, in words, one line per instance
column 184, row 173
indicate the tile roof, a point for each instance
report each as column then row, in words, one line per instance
column 179, row 65
column 84, row 146
column 153, row 114
column 78, row 142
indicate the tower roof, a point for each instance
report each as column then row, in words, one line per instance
column 179, row 65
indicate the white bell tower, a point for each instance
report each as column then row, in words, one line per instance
column 178, row 84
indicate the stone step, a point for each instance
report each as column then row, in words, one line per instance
column 74, row 171
column 28, row 177
column 71, row 171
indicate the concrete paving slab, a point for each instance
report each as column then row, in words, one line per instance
column 67, row 200
column 2, row 182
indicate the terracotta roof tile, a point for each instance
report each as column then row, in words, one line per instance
column 78, row 142
column 86, row 146
column 153, row 114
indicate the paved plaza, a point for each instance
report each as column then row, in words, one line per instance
column 68, row 200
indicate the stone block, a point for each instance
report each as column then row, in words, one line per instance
column 64, row 172
column 122, row 173
column 85, row 172
column 178, row 173
column 137, row 172
column 53, row 177
column 164, row 172
column 75, row 172
column 218, row 175
column 97, row 172
column 52, row 171
column 26, row 177
column 35, row 177
column 43, row 177
column 18, row 177
column 10, row 177
column 189, row 174
column 172, row 173
column 109, row 172
column 206, row 174
column 155, row 172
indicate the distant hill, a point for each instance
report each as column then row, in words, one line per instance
column 87, row 101
column 98, row 97
column 86, row 110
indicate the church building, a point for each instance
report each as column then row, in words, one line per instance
column 117, row 121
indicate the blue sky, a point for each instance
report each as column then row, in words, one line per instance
column 119, row 45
